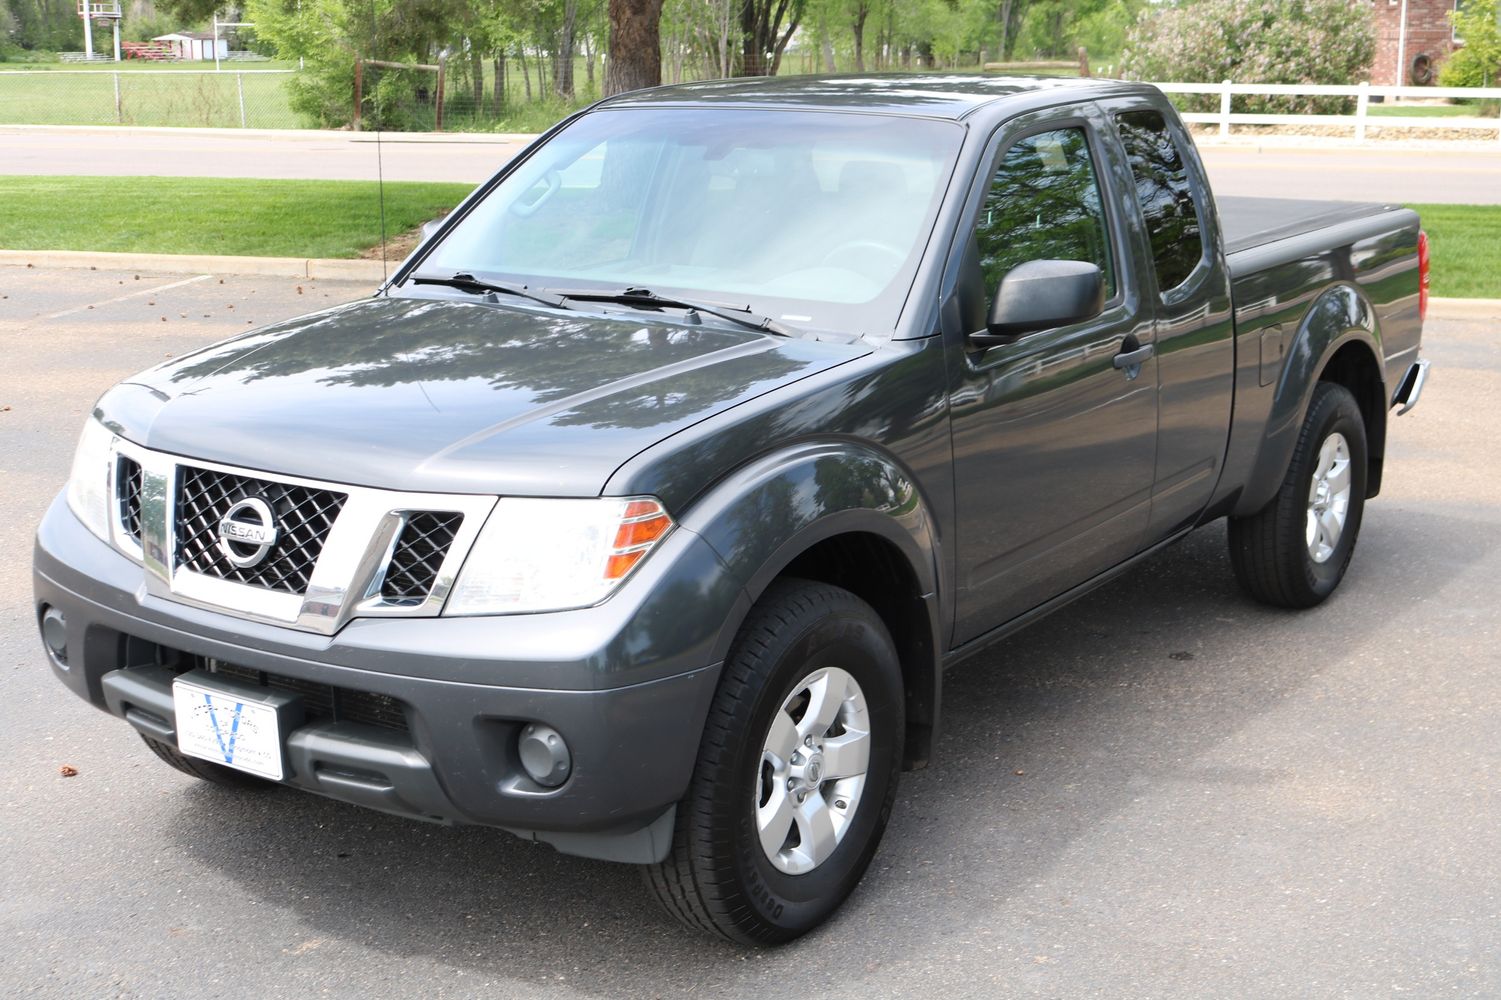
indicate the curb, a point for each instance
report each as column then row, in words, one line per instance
column 1466, row 308
column 276, row 267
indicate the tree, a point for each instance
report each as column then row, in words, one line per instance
column 1256, row 41
column 635, row 59
column 763, row 35
column 1478, row 64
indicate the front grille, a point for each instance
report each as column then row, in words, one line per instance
column 324, row 702
column 128, row 495
column 418, row 556
column 304, row 516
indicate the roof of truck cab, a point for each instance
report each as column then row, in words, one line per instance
column 931, row 95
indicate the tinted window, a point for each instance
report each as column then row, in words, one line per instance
column 1044, row 204
column 1166, row 201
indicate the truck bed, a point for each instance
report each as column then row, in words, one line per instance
column 1248, row 223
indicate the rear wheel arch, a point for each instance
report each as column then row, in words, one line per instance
column 1338, row 341
column 1354, row 365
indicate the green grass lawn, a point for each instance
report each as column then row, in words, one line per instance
column 168, row 97
column 1478, row 109
column 1465, row 246
column 342, row 219
column 257, row 218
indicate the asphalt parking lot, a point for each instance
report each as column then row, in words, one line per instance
column 1163, row 790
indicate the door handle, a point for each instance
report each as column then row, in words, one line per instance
column 1133, row 359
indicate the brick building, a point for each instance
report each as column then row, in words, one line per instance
column 1411, row 57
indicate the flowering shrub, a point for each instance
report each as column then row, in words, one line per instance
column 1254, row 41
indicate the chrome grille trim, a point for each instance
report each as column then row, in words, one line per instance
column 417, row 558
column 345, row 579
column 306, row 516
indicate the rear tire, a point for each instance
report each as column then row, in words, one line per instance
column 777, row 828
column 206, row 770
column 1294, row 551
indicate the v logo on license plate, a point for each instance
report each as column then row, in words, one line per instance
column 226, row 747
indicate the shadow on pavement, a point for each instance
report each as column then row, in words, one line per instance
column 1045, row 739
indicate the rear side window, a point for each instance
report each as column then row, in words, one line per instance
column 1163, row 191
column 1044, row 204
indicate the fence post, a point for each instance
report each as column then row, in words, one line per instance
column 1362, row 103
column 359, row 66
column 442, row 68
column 240, row 87
column 119, row 114
column 1224, row 109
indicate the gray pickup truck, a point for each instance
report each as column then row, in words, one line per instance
column 642, row 510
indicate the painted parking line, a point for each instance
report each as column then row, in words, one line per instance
column 127, row 295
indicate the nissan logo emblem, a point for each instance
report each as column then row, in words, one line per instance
column 247, row 532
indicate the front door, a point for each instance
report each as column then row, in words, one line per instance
column 1053, row 443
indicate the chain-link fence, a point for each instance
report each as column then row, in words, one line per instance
column 230, row 98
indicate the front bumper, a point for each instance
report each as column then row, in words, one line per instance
column 632, row 710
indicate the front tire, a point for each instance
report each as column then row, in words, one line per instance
column 797, row 771
column 1294, row 551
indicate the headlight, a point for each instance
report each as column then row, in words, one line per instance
column 88, row 487
column 552, row 555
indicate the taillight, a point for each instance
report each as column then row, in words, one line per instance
column 1422, row 275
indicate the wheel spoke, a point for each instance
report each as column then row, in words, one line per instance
column 846, row 756
column 783, row 738
column 1329, row 523
column 774, row 820
column 1327, row 453
column 1339, row 478
column 815, row 826
column 825, row 695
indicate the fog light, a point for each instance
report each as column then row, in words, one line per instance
column 55, row 633
column 544, row 755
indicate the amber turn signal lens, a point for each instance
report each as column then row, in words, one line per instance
column 634, row 533
column 620, row 564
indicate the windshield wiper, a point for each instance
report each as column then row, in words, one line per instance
column 468, row 282
column 646, row 297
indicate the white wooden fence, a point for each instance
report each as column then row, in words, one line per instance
column 1359, row 121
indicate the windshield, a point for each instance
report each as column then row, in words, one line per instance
column 815, row 218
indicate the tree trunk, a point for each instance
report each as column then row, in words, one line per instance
column 498, row 96
column 526, row 74
column 763, row 35
column 862, row 11
column 826, row 45
column 589, row 62
column 1010, row 15
column 635, row 51
column 562, row 64
column 477, row 69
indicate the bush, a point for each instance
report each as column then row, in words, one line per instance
column 1478, row 64
column 1255, row 41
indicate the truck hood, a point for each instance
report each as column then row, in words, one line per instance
column 446, row 396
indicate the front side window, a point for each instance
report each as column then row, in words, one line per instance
column 1044, row 204
column 1163, row 192
column 815, row 218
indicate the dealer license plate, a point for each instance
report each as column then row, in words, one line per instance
column 224, row 728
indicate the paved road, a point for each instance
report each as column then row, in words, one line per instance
column 1423, row 173
column 1161, row 791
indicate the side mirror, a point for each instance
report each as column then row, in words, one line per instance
column 429, row 227
column 1042, row 294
